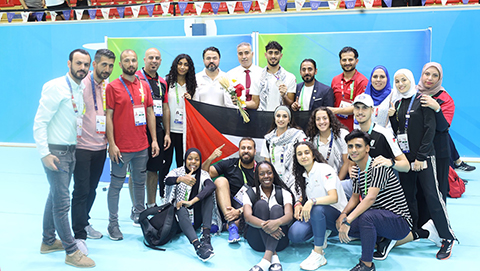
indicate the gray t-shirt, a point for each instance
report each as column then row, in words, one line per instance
column 34, row 3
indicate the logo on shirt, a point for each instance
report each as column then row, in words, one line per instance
column 328, row 176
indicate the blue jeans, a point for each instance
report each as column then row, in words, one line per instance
column 322, row 217
column 138, row 172
column 55, row 216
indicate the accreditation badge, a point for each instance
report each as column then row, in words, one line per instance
column 100, row 124
column 403, row 142
column 79, row 126
column 343, row 104
column 178, row 116
column 240, row 194
column 158, row 108
column 139, row 115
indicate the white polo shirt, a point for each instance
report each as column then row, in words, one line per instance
column 210, row 91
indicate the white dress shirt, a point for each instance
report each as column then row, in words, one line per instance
column 239, row 74
column 56, row 120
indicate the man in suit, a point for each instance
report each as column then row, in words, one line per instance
column 311, row 94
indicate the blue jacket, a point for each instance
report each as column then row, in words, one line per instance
column 322, row 95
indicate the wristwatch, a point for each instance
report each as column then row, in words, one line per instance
column 344, row 221
column 393, row 162
column 314, row 201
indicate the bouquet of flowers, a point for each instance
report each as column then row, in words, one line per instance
column 235, row 90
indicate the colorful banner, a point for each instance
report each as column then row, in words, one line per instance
column 92, row 13
column 350, row 4
column 182, row 6
column 282, row 4
column 39, row 16
column 263, row 5
column 388, row 3
column 165, row 7
column 215, row 7
column 170, row 47
column 199, row 7
column 150, row 8
column 246, row 6
column 299, row 5
column 121, row 11
column 314, row 4
column 79, row 13
column 66, row 14
column 231, row 6
column 105, row 13
column 24, row 16
column 399, row 49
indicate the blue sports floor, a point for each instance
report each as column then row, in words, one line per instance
column 24, row 189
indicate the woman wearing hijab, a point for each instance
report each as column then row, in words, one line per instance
column 415, row 126
column 193, row 197
column 431, row 85
column 277, row 147
column 380, row 90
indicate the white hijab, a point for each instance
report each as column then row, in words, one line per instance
column 412, row 89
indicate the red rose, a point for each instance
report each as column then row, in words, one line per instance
column 238, row 89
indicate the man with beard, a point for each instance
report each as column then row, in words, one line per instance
column 56, row 127
column 247, row 74
column 237, row 174
column 209, row 89
column 158, row 89
column 277, row 86
column 91, row 148
column 311, row 94
column 129, row 110
column 347, row 85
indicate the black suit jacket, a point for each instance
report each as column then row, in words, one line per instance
column 322, row 95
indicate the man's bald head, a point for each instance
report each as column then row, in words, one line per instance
column 152, row 60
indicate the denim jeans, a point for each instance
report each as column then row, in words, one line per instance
column 55, row 217
column 138, row 172
column 322, row 217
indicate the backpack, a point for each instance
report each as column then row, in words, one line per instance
column 278, row 195
column 158, row 225
column 457, row 185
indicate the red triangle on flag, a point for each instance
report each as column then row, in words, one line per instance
column 202, row 135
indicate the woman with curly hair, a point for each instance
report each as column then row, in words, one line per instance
column 181, row 84
column 327, row 133
column 319, row 201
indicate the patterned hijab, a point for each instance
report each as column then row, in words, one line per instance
column 412, row 89
column 378, row 95
column 435, row 88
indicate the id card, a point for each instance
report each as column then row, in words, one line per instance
column 158, row 108
column 178, row 116
column 239, row 196
column 139, row 115
column 100, row 124
column 403, row 143
column 79, row 126
column 344, row 104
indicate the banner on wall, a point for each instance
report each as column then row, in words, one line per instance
column 393, row 49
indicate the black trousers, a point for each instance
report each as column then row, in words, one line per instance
column 433, row 198
column 206, row 211
column 86, row 175
column 260, row 240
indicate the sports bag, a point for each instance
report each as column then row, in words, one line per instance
column 457, row 185
column 158, row 225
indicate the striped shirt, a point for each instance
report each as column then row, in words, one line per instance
column 390, row 197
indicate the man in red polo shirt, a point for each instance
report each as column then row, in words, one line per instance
column 346, row 86
column 129, row 111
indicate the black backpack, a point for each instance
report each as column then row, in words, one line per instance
column 278, row 195
column 158, row 225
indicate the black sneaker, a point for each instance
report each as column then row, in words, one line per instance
column 204, row 253
column 362, row 267
column 464, row 167
column 446, row 250
column 205, row 240
column 383, row 248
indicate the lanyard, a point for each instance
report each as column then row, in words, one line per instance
column 95, row 96
column 243, row 173
column 330, row 144
column 352, row 88
column 371, row 127
column 365, row 172
column 273, row 155
column 407, row 115
column 129, row 94
column 150, row 86
column 176, row 93
column 73, row 99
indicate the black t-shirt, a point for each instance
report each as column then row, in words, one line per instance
column 230, row 170
column 380, row 144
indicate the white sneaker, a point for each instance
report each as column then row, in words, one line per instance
column 314, row 261
column 433, row 233
column 327, row 234
column 82, row 246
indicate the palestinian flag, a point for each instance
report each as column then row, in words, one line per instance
column 209, row 126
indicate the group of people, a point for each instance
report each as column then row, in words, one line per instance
column 329, row 179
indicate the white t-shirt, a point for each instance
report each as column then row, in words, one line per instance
column 210, row 91
column 339, row 148
column 287, row 197
column 238, row 74
column 305, row 97
column 321, row 179
column 380, row 112
column 274, row 94
column 173, row 93
column 50, row 3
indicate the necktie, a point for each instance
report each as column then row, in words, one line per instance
column 248, row 82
